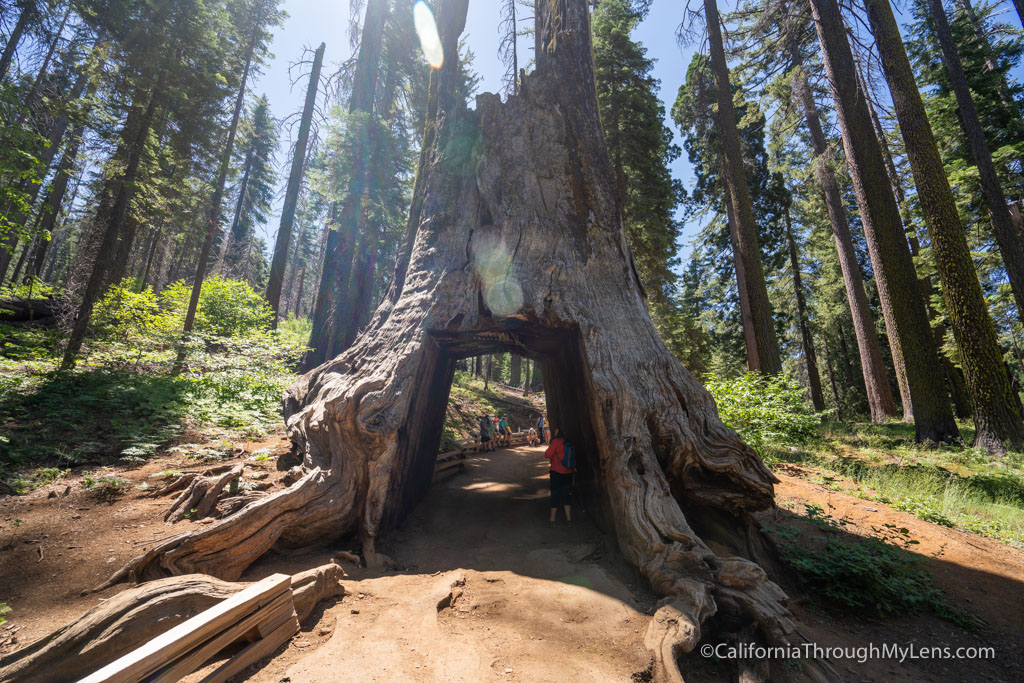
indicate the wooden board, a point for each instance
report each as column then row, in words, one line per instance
column 194, row 659
column 255, row 652
column 141, row 662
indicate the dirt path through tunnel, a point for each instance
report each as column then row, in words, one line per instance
column 485, row 591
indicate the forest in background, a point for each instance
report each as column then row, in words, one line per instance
column 860, row 247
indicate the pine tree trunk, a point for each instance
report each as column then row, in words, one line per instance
column 1017, row 5
column 905, row 316
column 999, row 213
column 746, row 318
column 997, row 422
column 516, row 370
column 1005, row 97
column 807, row 341
column 232, row 257
column 331, row 307
column 111, row 215
column 767, row 360
column 876, row 382
column 291, row 195
column 55, row 194
column 17, row 32
column 551, row 277
column 213, row 217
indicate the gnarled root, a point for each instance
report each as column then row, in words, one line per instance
column 200, row 498
column 135, row 616
column 314, row 509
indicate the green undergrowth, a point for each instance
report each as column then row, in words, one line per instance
column 953, row 485
column 875, row 576
column 122, row 402
column 468, row 401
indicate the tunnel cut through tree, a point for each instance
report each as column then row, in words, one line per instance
column 515, row 242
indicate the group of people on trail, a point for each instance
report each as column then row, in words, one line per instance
column 494, row 432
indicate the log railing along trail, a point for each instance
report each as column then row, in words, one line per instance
column 457, row 459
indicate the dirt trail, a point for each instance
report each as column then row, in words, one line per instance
column 486, row 591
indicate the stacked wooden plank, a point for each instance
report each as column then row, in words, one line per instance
column 262, row 614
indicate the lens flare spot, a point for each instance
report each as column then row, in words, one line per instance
column 426, row 29
column 492, row 263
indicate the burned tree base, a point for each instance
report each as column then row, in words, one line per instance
column 516, row 244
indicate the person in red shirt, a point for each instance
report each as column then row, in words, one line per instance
column 561, row 478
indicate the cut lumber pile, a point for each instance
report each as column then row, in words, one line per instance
column 137, row 616
column 263, row 613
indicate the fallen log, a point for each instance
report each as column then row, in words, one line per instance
column 138, row 615
column 22, row 310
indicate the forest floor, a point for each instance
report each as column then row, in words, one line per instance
column 484, row 590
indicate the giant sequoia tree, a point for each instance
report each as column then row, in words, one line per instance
column 516, row 243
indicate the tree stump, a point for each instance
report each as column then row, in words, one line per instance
column 516, row 243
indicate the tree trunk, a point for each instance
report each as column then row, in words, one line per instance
column 12, row 40
column 331, row 307
column 997, row 421
column 999, row 213
column 832, row 381
column 291, row 195
column 1017, row 5
column 738, row 195
column 1005, row 96
column 905, row 316
column 55, row 194
column 876, row 382
column 516, row 370
column 550, row 279
column 111, row 215
column 746, row 318
column 231, row 258
column 807, row 341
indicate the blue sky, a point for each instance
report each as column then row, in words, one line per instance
column 313, row 21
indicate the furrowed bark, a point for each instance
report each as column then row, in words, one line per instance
column 880, row 399
column 997, row 421
column 905, row 316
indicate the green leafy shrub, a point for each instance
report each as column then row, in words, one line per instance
column 764, row 410
column 873, row 576
column 226, row 308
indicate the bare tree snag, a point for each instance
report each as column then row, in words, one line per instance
column 517, row 244
column 135, row 616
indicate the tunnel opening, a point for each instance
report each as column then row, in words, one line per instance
column 559, row 354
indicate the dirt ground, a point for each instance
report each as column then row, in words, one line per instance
column 484, row 590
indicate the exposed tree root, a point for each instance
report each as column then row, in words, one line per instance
column 201, row 496
column 135, row 616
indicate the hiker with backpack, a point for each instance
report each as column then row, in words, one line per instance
column 562, row 456
column 540, row 428
column 485, row 433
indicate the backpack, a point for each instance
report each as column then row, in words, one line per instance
column 569, row 456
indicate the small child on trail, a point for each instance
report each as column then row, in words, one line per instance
column 531, row 437
column 563, row 463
